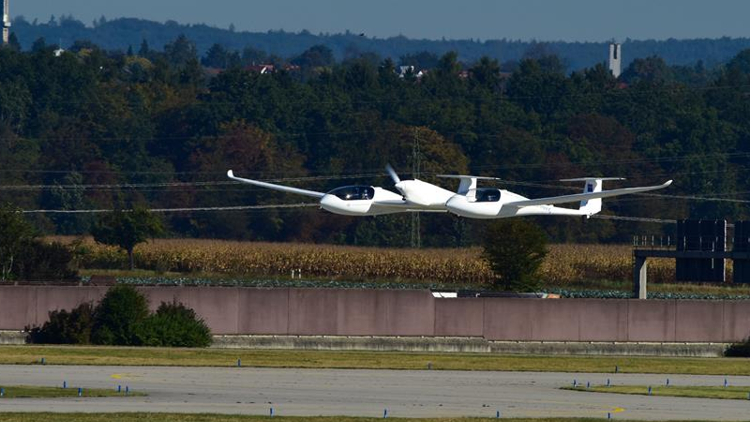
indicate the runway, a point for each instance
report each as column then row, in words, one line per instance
column 306, row 392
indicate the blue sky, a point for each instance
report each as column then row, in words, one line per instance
column 569, row 20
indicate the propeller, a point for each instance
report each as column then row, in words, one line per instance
column 392, row 173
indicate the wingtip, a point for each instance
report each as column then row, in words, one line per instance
column 669, row 182
column 230, row 174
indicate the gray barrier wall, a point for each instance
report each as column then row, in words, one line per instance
column 350, row 312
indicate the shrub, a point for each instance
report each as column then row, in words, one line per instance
column 46, row 261
column 118, row 315
column 739, row 350
column 174, row 325
column 65, row 327
column 515, row 250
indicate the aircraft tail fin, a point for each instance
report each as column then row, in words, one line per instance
column 590, row 207
column 468, row 183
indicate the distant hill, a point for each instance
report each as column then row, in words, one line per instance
column 127, row 32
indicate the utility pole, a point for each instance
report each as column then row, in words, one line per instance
column 416, row 233
column 6, row 21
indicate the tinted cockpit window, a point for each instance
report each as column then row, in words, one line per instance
column 354, row 193
column 488, row 195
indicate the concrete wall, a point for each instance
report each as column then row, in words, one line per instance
column 412, row 313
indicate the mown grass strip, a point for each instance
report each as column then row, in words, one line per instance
column 29, row 392
column 706, row 392
column 124, row 356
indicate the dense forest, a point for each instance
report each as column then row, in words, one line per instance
column 90, row 128
column 124, row 33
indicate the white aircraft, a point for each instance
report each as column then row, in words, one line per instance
column 469, row 201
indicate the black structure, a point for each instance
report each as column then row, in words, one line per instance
column 701, row 251
column 741, row 273
column 701, row 235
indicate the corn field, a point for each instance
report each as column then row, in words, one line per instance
column 565, row 264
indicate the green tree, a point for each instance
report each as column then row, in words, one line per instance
column 13, row 43
column 181, row 51
column 15, row 236
column 515, row 249
column 126, row 229
column 315, row 56
column 118, row 317
column 216, row 57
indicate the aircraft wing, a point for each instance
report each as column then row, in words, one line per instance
column 585, row 196
column 281, row 188
column 405, row 205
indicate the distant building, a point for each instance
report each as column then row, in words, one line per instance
column 615, row 59
column 6, row 20
column 405, row 70
column 260, row 68
column 267, row 69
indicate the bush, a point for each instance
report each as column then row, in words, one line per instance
column 174, row 325
column 46, row 261
column 122, row 319
column 739, row 350
column 65, row 327
column 515, row 249
column 118, row 316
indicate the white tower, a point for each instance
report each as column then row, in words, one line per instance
column 615, row 59
column 6, row 20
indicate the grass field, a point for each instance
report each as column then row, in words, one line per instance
column 713, row 392
column 62, row 355
column 27, row 392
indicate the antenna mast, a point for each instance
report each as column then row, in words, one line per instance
column 6, row 21
column 416, row 232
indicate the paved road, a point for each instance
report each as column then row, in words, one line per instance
column 365, row 393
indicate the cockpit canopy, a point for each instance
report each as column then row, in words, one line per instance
column 487, row 195
column 354, row 193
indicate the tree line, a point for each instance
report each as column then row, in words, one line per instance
column 90, row 128
column 124, row 33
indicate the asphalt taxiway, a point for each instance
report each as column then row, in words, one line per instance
column 306, row 392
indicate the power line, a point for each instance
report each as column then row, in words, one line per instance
column 169, row 210
column 184, row 184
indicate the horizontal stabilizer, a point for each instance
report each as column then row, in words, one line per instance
column 585, row 196
column 280, row 188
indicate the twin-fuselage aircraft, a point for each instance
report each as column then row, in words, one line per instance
column 468, row 201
